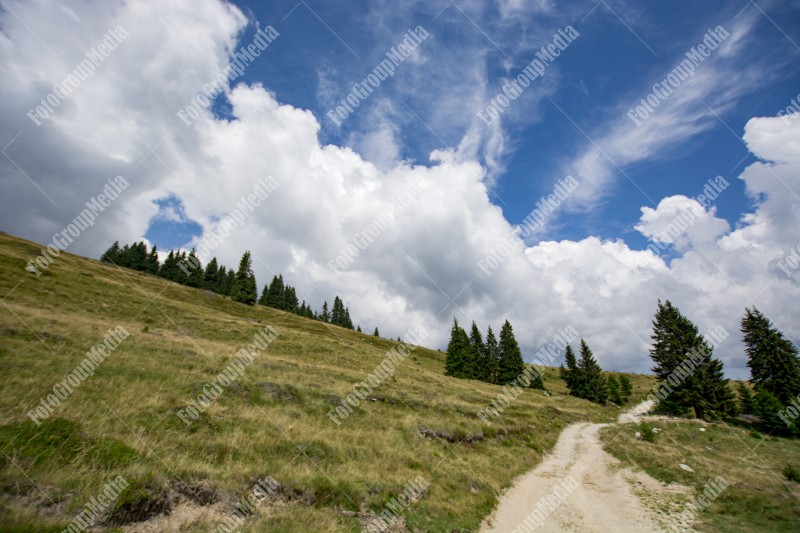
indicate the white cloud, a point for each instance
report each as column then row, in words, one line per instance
column 327, row 194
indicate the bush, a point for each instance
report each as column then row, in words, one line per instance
column 791, row 472
column 647, row 432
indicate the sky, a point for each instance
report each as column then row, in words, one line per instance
column 415, row 150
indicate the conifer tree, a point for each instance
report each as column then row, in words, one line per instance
column 195, row 277
column 537, row 381
column 613, row 390
column 229, row 279
column 747, row 404
column 262, row 300
column 480, row 362
column 375, row 333
column 492, row 356
column 112, row 254
column 276, row 293
column 571, row 373
column 772, row 358
column 244, row 288
column 626, row 386
column 459, row 351
column 593, row 383
column 152, row 263
column 358, row 329
column 511, row 363
column 677, row 345
column 325, row 316
column 210, row 275
column 290, row 299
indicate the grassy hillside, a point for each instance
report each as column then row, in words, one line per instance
column 759, row 496
column 272, row 421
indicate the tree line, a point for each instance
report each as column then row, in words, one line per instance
column 500, row 363
column 240, row 284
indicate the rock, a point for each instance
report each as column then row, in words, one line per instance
column 638, row 435
column 685, row 467
column 701, row 429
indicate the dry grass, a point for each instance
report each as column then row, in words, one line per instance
column 272, row 422
column 759, row 497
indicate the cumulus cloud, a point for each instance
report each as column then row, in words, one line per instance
column 420, row 264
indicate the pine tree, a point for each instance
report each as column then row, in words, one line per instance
column 290, row 299
column 152, row 263
column 768, row 408
column 480, row 363
column 195, row 277
column 593, row 383
column 677, row 345
column 337, row 313
column 169, row 268
column 244, row 288
column 138, row 256
column 626, row 386
column 613, row 390
column 571, row 374
column 537, row 382
column 210, row 275
column 112, row 254
column 747, row 404
column 492, row 356
column 772, row 358
column 262, row 300
column 229, row 279
column 511, row 363
column 358, row 329
column 375, row 333
column 459, row 351
column 276, row 293
column 325, row 316
column 348, row 323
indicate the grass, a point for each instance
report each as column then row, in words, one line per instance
column 271, row 422
column 759, row 496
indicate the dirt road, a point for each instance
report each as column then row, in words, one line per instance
column 582, row 482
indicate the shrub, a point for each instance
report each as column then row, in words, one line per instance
column 791, row 472
column 647, row 432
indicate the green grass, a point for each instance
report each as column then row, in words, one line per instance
column 273, row 421
column 759, row 498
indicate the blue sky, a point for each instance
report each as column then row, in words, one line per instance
column 590, row 265
column 621, row 52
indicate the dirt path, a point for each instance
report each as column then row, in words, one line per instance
column 578, row 488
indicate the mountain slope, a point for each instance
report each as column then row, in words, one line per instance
column 269, row 423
